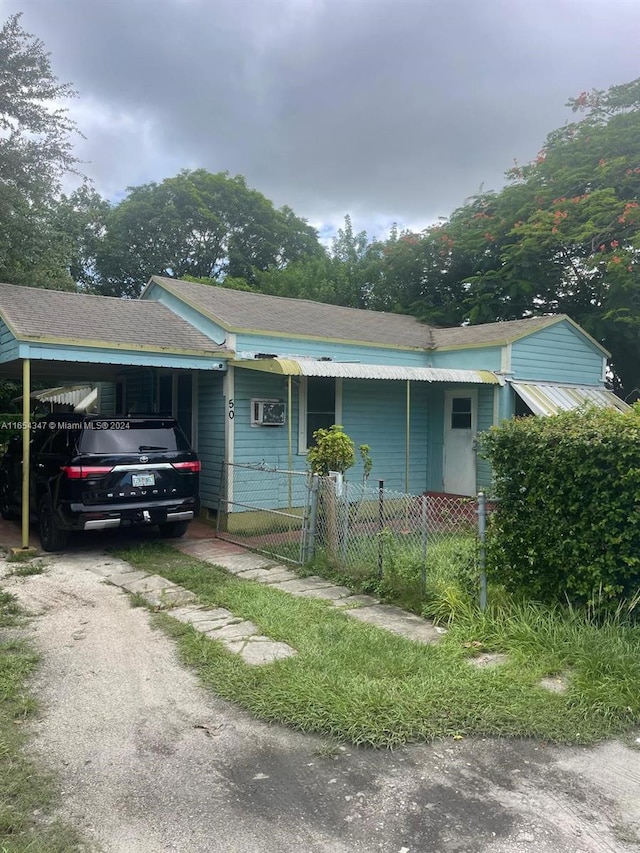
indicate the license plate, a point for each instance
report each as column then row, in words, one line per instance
column 143, row 480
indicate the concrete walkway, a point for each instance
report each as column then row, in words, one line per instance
column 200, row 543
column 237, row 635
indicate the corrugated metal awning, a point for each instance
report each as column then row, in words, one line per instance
column 70, row 395
column 357, row 370
column 546, row 398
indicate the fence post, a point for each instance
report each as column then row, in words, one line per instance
column 222, row 491
column 380, row 526
column 344, row 505
column 313, row 518
column 482, row 550
column 423, row 525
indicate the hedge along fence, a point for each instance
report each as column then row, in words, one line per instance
column 567, row 524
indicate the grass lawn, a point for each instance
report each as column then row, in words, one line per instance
column 356, row 683
column 26, row 793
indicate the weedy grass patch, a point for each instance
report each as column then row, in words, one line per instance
column 405, row 573
column 25, row 570
column 353, row 682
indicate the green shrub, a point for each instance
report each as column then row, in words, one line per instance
column 567, row 525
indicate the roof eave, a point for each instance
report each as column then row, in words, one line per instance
column 121, row 345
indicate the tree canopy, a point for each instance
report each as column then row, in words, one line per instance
column 35, row 151
column 197, row 224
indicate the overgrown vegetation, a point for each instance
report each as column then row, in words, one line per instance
column 27, row 794
column 356, row 683
column 567, row 526
column 406, row 574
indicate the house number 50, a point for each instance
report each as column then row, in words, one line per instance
column 232, row 413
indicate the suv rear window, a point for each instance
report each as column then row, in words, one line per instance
column 135, row 437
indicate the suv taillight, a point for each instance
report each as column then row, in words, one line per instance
column 190, row 467
column 83, row 472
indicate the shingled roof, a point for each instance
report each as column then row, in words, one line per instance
column 500, row 333
column 34, row 313
column 237, row 310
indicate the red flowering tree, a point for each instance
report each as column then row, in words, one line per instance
column 564, row 235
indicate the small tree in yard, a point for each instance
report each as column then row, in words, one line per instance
column 333, row 451
column 567, row 525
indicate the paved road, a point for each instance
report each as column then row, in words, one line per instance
column 151, row 762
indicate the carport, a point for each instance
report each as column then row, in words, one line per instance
column 71, row 337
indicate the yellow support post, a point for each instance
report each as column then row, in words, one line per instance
column 26, row 435
column 408, row 440
column 290, row 437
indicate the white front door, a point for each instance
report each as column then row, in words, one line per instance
column 460, row 425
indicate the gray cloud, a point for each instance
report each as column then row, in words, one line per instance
column 387, row 109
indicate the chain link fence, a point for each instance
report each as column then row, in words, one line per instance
column 363, row 530
column 266, row 509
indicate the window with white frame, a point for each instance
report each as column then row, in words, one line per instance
column 320, row 407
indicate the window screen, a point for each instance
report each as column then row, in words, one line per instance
column 321, row 405
column 461, row 413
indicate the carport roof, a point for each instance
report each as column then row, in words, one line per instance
column 35, row 314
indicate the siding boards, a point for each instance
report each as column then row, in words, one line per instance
column 264, row 444
column 485, row 421
column 304, row 348
column 374, row 413
column 211, row 419
column 435, row 473
column 107, row 398
column 8, row 344
column 474, row 358
column 557, row 354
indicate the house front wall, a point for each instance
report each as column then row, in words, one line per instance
column 470, row 358
column 559, row 353
column 373, row 412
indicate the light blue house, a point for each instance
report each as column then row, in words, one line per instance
column 250, row 377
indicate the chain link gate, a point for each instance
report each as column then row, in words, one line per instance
column 266, row 509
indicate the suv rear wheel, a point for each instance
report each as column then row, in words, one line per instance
column 52, row 538
column 173, row 529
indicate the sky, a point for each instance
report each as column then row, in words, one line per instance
column 388, row 110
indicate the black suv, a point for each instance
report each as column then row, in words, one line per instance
column 91, row 473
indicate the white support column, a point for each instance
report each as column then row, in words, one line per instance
column 229, row 426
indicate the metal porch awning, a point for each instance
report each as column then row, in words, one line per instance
column 81, row 397
column 357, row 370
column 546, row 398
